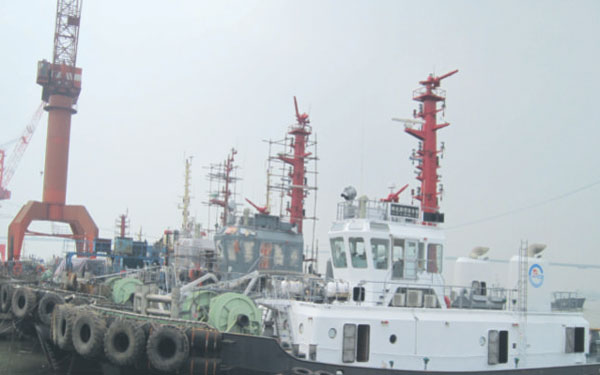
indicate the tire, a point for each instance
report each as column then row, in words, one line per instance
column 167, row 348
column 47, row 305
column 124, row 342
column 23, row 302
column 6, row 292
column 88, row 334
column 64, row 317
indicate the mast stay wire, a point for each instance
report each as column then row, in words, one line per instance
column 524, row 208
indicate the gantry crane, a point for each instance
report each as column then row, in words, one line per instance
column 61, row 85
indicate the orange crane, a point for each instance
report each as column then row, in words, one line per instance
column 61, row 85
column 8, row 168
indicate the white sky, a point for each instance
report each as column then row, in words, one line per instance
column 164, row 79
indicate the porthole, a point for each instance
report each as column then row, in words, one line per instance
column 332, row 333
column 482, row 341
column 301, row 328
column 393, row 339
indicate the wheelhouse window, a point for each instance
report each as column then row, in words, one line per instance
column 410, row 260
column 380, row 250
column 358, row 253
column 398, row 258
column 338, row 254
column 434, row 258
column 421, row 257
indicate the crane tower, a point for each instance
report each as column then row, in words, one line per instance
column 61, row 85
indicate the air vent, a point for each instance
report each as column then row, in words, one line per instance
column 399, row 300
column 414, row 298
column 430, row 301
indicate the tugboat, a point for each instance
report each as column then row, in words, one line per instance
column 385, row 307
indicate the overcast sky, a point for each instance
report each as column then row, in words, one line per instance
column 165, row 79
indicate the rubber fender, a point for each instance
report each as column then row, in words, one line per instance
column 46, row 307
column 204, row 342
column 167, row 348
column 6, row 292
column 63, row 319
column 88, row 334
column 23, row 302
column 202, row 366
column 124, row 342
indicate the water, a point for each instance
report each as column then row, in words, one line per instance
column 22, row 357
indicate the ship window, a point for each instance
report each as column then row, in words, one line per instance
column 266, row 248
column 421, row 257
column 338, row 255
column 362, row 343
column 398, row 259
column 579, row 339
column 278, row 258
column 497, row 347
column 349, row 343
column 434, row 258
column 575, row 340
column 410, row 260
column 358, row 253
column 380, row 250
column 248, row 247
column 233, row 248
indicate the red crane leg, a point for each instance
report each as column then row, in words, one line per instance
column 81, row 223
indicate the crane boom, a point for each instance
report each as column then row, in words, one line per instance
column 7, row 170
column 62, row 76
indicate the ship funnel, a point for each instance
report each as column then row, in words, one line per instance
column 535, row 250
column 478, row 252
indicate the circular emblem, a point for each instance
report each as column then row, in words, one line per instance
column 536, row 275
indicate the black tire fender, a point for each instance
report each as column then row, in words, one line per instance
column 204, row 342
column 202, row 366
column 167, row 348
column 124, row 342
column 23, row 302
column 88, row 334
column 47, row 305
column 6, row 292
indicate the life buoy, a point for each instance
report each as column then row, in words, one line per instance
column 124, row 342
column 447, row 301
column 167, row 348
column 88, row 334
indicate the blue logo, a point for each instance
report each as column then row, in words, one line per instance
column 536, row 275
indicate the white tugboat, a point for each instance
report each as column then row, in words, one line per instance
column 386, row 307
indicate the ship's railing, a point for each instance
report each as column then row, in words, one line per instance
column 376, row 210
column 425, row 294
column 567, row 301
column 423, row 90
column 395, row 294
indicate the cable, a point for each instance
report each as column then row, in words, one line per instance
column 513, row 211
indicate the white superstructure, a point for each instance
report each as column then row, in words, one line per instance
column 386, row 304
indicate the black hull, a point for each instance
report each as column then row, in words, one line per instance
column 250, row 355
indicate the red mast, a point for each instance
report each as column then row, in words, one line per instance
column 301, row 130
column 427, row 155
